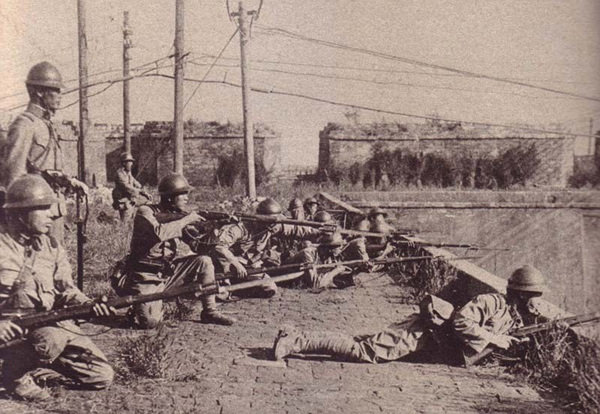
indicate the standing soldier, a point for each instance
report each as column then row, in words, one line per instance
column 35, row 276
column 127, row 189
column 32, row 144
column 155, row 263
column 311, row 206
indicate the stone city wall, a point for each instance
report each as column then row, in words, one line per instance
column 340, row 146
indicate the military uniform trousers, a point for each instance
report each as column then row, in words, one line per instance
column 60, row 349
column 183, row 271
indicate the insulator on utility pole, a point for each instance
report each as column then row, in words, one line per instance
column 127, row 32
column 244, row 27
column 179, row 55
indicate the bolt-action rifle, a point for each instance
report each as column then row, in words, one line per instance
column 31, row 321
column 531, row 329
column 259, row 218
column 401, row 243
column 300, row 267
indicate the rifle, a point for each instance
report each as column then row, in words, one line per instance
column 259, row 218
column 36, row 320
column 300, row 267
column 398, row 243
column 531, row 329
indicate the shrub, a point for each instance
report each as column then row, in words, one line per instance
column 568, row 366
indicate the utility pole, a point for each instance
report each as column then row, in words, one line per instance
column 592, row 139
column 179, row 54
column 127, row 32
column 244, row 26
column 83, row 129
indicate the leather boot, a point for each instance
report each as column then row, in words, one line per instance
column 290, row 341
column 210, row 314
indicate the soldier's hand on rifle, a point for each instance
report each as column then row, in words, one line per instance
column 79, row 186
column 504, row 341
column 100, row 309
column 9, row 331
column 145, row 194
column 240, row 270
column 193, row 217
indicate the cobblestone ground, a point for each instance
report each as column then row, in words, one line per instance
column 227, row 370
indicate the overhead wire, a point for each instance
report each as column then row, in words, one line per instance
column 363, row 69
column 384, row 111
column 287, row 33
column 382, row 82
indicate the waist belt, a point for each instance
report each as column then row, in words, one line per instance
column 148, row 267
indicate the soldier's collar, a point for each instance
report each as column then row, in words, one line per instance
column 38, row 111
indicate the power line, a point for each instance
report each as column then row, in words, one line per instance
column 378, row 82
column 287, row 33
column 211, row 66
column 363, row 69
column 384, row 111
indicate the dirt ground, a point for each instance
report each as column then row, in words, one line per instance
column 228, row 369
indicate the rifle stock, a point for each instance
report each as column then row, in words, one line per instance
column 531, row 329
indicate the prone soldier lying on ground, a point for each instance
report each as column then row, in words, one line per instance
column 485, row 320
column 35, row 276
column 155, row 262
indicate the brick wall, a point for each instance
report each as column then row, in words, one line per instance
column 340, row 146
column 203, row 144
column 95, row 166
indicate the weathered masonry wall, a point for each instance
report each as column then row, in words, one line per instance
column 152, row 147
column 95, row 166
column 562, row 242
column 340, row 146
column 203, row 144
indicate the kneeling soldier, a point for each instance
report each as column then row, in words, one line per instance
column 35, row 275
column 241, row 245
column 154, row 264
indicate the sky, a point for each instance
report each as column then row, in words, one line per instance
column 553, row 44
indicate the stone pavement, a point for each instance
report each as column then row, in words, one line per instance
column 227, row 370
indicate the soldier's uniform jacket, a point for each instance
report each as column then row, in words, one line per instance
column 154, row 245
column 127, row 188
column 35, row 274
column 32, row 146
column 254, row 247
column 486, row 316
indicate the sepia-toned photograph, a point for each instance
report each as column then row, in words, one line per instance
column 300, row 207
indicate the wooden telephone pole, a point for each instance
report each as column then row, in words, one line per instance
column 83, row 129
column 179, row 54
column 127, row 32
column 244, row 24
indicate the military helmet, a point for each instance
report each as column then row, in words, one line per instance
column 310, row 200
column 28, row 191
column 126, row 156
column 322, row 217
column 295, row 203
column 333, row 240
column 45, row 74
column 363, row 225
column 268, row 207
column 377, row 210
column 527, row 279
column 174, row 183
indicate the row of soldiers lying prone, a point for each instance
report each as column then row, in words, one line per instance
column 170, row 250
